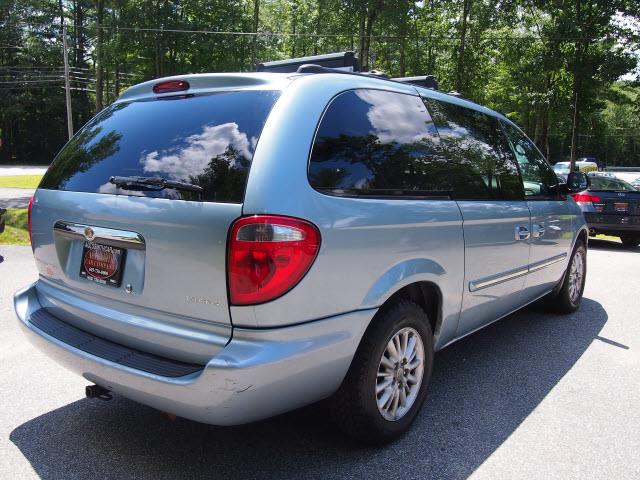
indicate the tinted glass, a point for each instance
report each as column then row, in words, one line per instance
column 206, row 140
column 540, row 181
column 480, row 161
column 372, row 142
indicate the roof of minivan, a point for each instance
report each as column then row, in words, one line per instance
column 210, row 82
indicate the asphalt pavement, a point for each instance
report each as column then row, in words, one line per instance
column 534, row 396
column 15, row 197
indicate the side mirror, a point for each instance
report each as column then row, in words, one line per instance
column 577, row 182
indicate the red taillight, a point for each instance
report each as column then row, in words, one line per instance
column 586, row 198
column 169, row 86
column 29, row 219
column 268, row 255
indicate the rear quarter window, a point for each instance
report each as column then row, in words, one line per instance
column 378, row 143
column 479, row 156
column 205, row 140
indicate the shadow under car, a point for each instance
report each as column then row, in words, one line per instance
column 483, row 388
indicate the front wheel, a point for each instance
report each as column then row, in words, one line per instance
column 387, row 381
column 568, row 298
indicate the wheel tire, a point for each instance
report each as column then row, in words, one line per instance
column 630, row 241
column 564, row 301
column 354, row 407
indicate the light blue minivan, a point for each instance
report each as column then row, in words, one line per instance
column 227, row 247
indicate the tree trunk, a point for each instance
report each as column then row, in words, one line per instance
column 254, row 40
column 403, row 42
column 61, row 7
column 361, row 24
column 318, row 26
column 576, row 89
column 416, row 66
column 99, row 54
column 431, row 62
column 294, row 18
column 372, row 14
column 574, row 128
column 466, row 8
column 116, row 80
column 79, row 34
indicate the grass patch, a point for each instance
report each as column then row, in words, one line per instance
column 20, row 181
column 16, row 231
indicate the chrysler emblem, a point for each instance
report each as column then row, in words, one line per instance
column 89, row 234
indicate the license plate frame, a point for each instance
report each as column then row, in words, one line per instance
column 621, row 206
column 102, row 264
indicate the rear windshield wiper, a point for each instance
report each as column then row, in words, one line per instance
column 152, row 183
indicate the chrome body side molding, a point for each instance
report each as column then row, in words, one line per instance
column 545, row 263
column 485, row 282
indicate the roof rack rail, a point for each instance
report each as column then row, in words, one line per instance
column 346, row 61
column 428, row 81
column 341, row 62
column 313, row 68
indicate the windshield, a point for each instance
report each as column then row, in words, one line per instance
column 607, row 183
column 559, row 167
column 203, row 140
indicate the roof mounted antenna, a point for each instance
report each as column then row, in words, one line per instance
column 345, row 61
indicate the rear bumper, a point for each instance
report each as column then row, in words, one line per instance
column 260, row 373
column 613, row 224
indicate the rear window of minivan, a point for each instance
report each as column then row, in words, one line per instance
column 204, row 140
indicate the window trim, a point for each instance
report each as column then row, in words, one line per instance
column 373, row 196
column 425, row 99
column 533, row 198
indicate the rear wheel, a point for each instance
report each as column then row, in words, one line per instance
column 630, row 241
column 568, row 298
column 387, row 381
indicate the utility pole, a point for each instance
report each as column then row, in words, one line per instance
column 67, row 88
column 574, row 135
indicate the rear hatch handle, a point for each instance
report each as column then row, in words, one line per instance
column 106, row 236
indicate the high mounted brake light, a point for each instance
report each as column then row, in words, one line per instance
column 268, row 255
column 169, row 86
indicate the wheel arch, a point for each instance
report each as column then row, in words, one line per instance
column 415, row 280
column 428, row 296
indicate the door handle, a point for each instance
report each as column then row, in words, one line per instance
column 522, row 232
column 538, row 230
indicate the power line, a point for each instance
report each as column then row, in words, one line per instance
column 438, row 37
column 29, row 81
